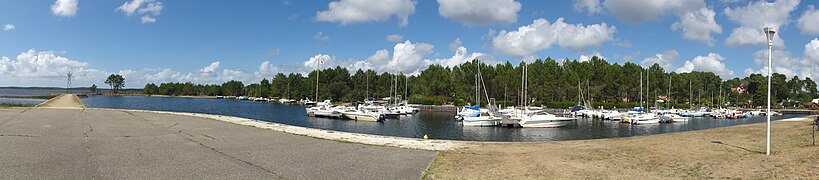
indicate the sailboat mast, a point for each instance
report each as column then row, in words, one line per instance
column 690, row 96
column 367, row 92
column 641, row 88
column 668, row 96
column 648, row 86
column 719, row 96
column 317, row 80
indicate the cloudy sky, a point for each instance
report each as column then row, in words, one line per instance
column 215, row 41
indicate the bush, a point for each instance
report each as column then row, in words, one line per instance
column 437, row 100
column 506, row 103
column 459, row 102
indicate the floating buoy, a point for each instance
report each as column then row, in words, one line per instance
column 426, row 137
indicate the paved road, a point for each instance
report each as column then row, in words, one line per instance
column 63, row 101
column 43, row 143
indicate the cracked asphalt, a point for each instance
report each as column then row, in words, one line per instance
column 45, row 143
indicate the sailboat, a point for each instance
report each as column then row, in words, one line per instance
column 529, row 118
column 642, row 117
column 321, row 109
column 483, row 118
column 669, row 114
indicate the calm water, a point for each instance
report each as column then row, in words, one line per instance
column 22, row 101
column 5, row 91
column 438, row 125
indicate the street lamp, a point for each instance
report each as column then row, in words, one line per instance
column 769, row 32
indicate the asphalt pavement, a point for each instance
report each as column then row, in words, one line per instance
column 49, row 143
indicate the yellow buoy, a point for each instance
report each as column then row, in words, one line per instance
column 426, row 137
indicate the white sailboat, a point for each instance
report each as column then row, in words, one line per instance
column 487, row 118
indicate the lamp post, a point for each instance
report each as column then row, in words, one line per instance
column 769, row 33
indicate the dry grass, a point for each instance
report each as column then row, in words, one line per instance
column 730, row 152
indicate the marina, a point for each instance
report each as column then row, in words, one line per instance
column 436, row 125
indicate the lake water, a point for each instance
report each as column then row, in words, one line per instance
column 438, row 125
column 6, row 91
column 22, row 101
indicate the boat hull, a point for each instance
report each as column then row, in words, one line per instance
column 545, row 124
column 360, row 117
column 481, row 121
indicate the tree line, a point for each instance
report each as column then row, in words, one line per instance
column 553, row 83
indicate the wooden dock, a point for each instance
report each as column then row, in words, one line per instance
column 509, row 122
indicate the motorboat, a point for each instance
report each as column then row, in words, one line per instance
column 646, row 118
column 544, row 120
column 467, row 111
column 673, row 117
column 323, row 109
column 285, row 100
column 482, row 119
column 614, row 115
column 692, row 114
column 362, row 115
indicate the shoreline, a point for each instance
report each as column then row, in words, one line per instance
column 374, row 139
column 395, row 141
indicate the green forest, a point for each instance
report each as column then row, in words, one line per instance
column 551, row 83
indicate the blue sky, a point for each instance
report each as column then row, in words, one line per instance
column 215, row 41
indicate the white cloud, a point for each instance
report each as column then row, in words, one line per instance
column 810, row 62
column 698, row 25
column 745, row 36
column 783, row 62
column 46, row 68
column 8, row 27
column 585, row 57
column 65, row 8
column 665, row 59
column 711, row 63
column 320, row 36
column 640, row 11
column 695, row 19
column 461, row 56
column 408, row 57
column 147, row 19
column 319, row 60
column 480, row 13
column 809, row 21
column 755, row 16
column 210, row 68
column 590, row 6
column 395, row 38
column 149, row 9
column 43, row 68
column 273, row 52
column 266, row 69
column 455, row 44
column 359, row 11
column 540, row 35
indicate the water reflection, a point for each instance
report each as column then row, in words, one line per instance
column 436, row 125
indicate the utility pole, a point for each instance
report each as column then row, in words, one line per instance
column 68, row 83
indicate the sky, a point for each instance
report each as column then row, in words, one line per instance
column 210, row 42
